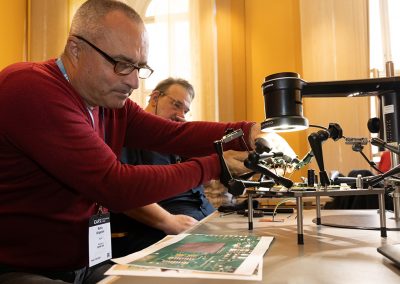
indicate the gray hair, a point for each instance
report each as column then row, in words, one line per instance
column 88, row 18
column 163, row 86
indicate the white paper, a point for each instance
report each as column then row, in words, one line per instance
column 250, row 269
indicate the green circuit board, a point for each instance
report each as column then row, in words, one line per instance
column 211, row 253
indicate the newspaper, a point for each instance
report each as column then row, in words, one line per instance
column 198, row 256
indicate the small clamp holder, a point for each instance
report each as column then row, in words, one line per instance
column 237, row 186
column 254, row 162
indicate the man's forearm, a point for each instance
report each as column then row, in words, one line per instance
column 152, row 215
column 155, row 216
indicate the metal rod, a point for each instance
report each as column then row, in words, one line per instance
column 250, row 211
column 318, row 205
column 299, row 206
column 382, row 214
column 396, row 203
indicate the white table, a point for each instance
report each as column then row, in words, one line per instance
column 329, row 255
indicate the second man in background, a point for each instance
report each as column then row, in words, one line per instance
column 141, row 227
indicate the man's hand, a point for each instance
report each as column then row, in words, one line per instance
column 274, row 141
column 278, row 144
column 234, row 160
column 255, row 132
column 176, row 224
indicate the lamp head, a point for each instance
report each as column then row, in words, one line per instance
column 282, row 102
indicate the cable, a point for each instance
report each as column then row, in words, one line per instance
column 371, row 163
column 278, row 204
column 318, row 126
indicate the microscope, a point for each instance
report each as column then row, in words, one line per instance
column 283, row 93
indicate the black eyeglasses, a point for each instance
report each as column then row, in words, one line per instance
column 121, row 67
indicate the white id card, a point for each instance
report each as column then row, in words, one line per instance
column 99, row 239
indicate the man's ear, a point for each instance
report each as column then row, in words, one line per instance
column 154, row 97
column 72, row 49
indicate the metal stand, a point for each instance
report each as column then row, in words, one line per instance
column 322, row 221
column 300, row 233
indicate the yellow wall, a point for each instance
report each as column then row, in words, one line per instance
column 48, row 28
column 12, row 31
column 230, row 19
column 32, row 30
column 273, row 44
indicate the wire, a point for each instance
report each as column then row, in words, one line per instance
column 290, row 174
column 318, row 126
column 372, row 164
column 278, row 204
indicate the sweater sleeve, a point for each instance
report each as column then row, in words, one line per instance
column 185, row 139
column 193, row 139
column 51, row 146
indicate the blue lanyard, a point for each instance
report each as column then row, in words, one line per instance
column 60, row 65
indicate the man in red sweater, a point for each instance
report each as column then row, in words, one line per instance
column 63, row 125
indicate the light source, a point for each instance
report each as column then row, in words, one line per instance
column 283, row 93
column 282, row 103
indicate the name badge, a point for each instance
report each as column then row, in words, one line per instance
column 99, row 239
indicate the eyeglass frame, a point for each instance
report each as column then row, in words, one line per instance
column 176, row 103
column 115, row 62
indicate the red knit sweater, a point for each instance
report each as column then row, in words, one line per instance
column 55, row 168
